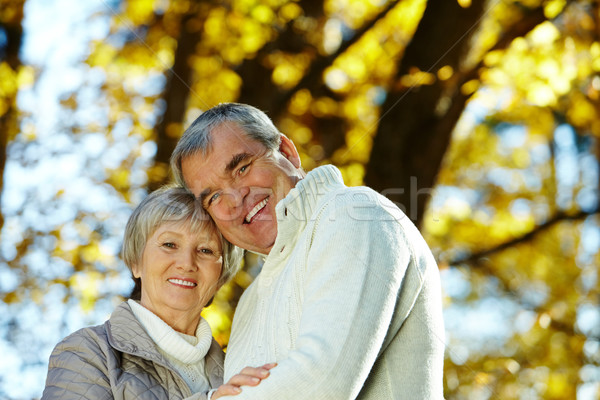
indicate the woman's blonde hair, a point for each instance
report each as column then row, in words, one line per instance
column 172, row 203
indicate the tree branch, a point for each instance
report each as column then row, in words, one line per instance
column 522, row 27
column 316, row 69
column 560, row 217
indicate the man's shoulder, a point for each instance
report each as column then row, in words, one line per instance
column 360, row 201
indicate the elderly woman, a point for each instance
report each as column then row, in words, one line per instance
column 158, row 347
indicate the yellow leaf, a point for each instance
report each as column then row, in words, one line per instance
column 554, row 7
column 544, row 33
column 85, row 286
column 300, row 102
column 26, row 76
column 263, row 14
column 8, row 83
column 290, row 11
column 139, row 11
column 558, row 386
column 102, row 55
column 11, row 297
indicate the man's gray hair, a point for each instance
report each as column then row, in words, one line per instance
column 173, row 204
column 197, row 139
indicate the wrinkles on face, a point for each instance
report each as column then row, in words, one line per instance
column 240, row 182
column 180, row 271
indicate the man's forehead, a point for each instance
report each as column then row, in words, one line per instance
column 203, row 172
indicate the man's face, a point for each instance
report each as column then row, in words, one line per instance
column 240, row 182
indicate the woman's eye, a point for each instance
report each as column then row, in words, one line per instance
column 206, row 250
column 170, row 245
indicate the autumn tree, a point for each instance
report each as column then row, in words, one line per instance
column 478, row 118
column 11, row 14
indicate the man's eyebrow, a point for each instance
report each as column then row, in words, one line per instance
column 202, row 196
column 236, row 160
column 231, row 165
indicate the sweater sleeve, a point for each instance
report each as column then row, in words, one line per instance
column 354, row 269
column 77, row 370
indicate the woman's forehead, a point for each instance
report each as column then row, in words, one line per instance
column 204, row 229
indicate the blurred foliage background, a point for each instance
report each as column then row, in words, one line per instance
column 478, row 118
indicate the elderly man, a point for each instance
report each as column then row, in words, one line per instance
column 348, row 300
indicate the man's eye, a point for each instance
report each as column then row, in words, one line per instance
column 243, row 169
column 214, row 198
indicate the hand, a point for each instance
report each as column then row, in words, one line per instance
column 249, row 376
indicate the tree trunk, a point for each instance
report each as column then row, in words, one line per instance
column 11, row 16
column 177, row 91
column 259, row 90
column 417, row 121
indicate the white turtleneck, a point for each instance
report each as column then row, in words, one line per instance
column 186, row 353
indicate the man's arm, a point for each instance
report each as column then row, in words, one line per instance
column 354, row 271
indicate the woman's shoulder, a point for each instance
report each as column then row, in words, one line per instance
column 78, row 366
column 91, row 337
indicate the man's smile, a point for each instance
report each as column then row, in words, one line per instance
column 255, row 210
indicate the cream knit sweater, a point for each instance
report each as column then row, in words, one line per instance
column 348, row 301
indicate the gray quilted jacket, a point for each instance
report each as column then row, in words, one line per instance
column 118, row 360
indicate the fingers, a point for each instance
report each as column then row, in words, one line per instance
column 249, row 376
column 226, row 390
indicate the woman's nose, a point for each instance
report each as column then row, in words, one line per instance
column 186, row 260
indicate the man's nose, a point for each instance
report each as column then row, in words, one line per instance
column 234, row 197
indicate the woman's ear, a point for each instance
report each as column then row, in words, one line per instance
column 136, row 271
column 289, row 151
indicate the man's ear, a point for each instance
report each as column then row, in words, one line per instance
column 289, row 151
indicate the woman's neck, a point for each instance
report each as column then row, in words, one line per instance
column 180, row 321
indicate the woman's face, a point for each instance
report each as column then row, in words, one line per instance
column 179, row 271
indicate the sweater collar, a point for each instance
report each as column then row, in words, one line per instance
column 298, row 207
column 303, row 198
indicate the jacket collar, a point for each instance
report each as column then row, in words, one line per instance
column 126, row 334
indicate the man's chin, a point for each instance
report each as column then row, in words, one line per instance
column 260, row 245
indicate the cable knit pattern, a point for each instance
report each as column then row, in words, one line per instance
column 119, row 360
column 348, row 301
